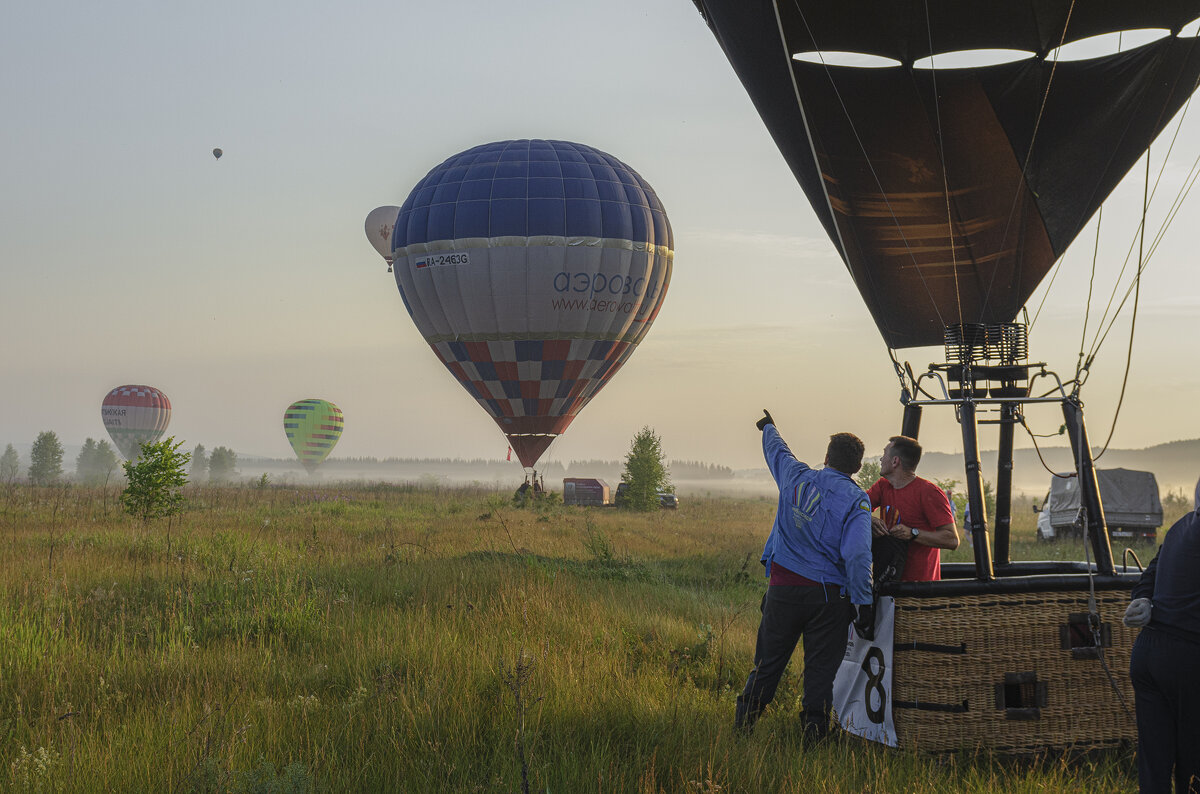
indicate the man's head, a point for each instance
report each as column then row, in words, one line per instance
column 901, row 454
column 845, row 452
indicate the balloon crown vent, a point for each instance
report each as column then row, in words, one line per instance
column 987, row 343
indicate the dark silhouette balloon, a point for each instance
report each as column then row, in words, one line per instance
column 950, row 193
column 217, row 153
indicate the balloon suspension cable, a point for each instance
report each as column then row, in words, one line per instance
column 1093, row 609
column 866, row 157
column 1087, row 309
column 1133, row 319
column 1189, row 181
column 1045, row 294
column 937, row 109
column 1037, row 124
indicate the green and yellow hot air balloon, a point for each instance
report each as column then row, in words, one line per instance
column 313, row 427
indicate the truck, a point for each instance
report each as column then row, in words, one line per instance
column 1132, row 507
column 586, row 492
column 667, row 500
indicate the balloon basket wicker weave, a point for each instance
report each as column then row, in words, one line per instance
column 1014, row 672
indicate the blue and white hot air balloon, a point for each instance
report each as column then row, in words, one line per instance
column 533, row 269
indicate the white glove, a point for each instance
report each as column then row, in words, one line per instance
column 1137, row 614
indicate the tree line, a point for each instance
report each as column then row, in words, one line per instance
column 99, row 464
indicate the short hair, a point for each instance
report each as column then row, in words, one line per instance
column 908, row 450
column 845, row 452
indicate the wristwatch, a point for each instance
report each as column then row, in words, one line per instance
column 915, row 532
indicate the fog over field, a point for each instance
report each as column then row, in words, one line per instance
column 1176, row 466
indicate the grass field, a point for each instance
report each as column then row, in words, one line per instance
column 395, row 638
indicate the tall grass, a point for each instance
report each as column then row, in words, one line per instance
column 394, row 638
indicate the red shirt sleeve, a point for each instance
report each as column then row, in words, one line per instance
column 873, row 494
column 937, row 507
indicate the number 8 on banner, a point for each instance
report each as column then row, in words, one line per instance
column 862, row 688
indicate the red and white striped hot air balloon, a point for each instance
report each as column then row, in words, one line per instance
column 135, row 415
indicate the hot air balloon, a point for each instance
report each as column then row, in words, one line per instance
column 949, row 194
column 379, row 225
column 533, row 268
column 313, row 427
column 217, row 153
column 135, row 415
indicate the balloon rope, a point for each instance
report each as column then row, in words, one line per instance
column 1034, row 437
column 1188, row 182
column 1133, row 320
column 1087, row 309
column 937, row 110
column 1046, row 294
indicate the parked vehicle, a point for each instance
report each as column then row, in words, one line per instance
column 1132, row 507
column 586, row 491
column 666, row 499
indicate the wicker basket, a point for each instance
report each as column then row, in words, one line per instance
column 1012, row 673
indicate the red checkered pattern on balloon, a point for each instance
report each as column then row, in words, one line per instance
column 533, row 378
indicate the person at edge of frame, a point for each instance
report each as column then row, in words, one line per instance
column 818, row 563
column 1165, row 663
column 912, row 509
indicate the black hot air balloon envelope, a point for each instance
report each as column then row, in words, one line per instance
column 950, row 193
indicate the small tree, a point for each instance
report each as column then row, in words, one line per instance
column 10, row 465
column 959, row 498
column 154, row 482
column 645, row 472
column 222, row 465
column 45, row 459
column 868, row 474
column 199, row 470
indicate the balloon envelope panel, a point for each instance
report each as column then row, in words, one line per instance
column 951, row 193
column 533, row 269
column 135, row 415
column 313, row 427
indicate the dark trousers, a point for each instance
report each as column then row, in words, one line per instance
column 1166, row 685
column 789, row 612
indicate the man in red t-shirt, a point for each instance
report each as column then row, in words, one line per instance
column 913, row 509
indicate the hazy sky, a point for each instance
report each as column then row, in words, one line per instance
column 130, row 255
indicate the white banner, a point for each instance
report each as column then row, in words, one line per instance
column 862, row 690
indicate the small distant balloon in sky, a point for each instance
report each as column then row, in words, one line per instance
column 217, row 153
column 379, row 225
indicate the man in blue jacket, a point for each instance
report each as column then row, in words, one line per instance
column 1165, row 665
column 818, row 561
